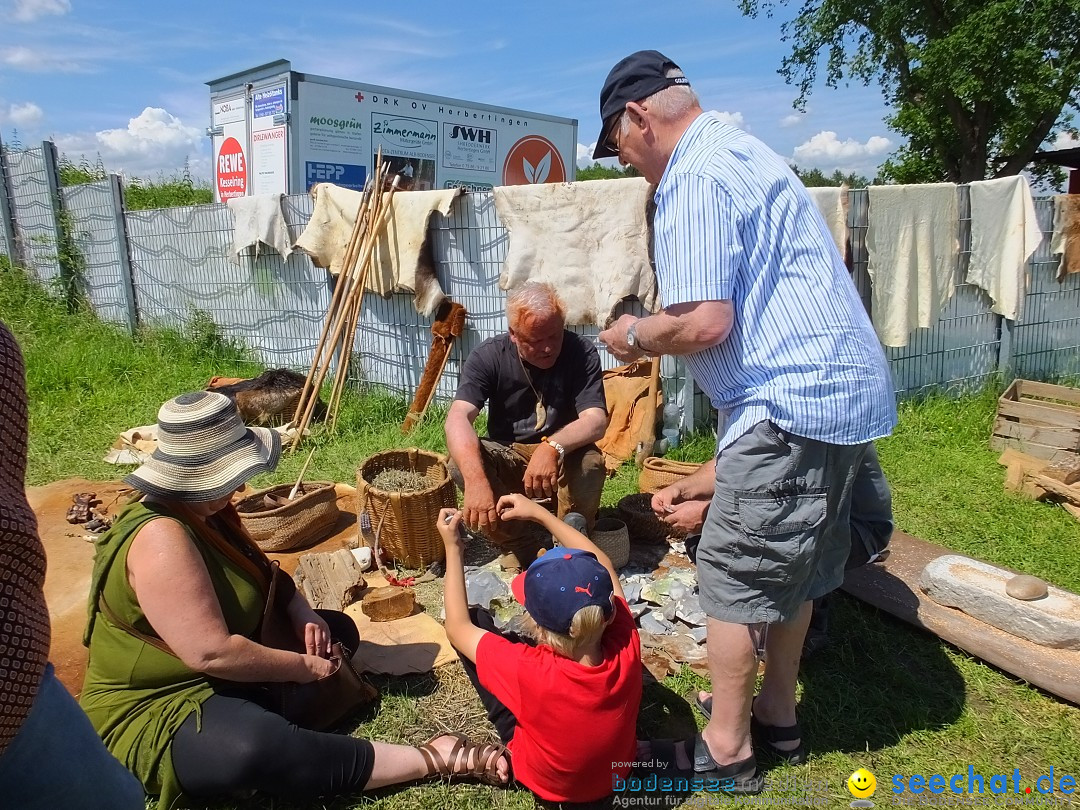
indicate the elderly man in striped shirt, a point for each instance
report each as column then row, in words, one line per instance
column 758, row 300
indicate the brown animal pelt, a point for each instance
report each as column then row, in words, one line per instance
column 269, row 399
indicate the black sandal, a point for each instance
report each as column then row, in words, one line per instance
column 766, row 737
column 740, row 778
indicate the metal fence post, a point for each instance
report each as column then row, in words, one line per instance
column 7, row 218
column 127, row 282
column 1005, row 346
column 52, row 178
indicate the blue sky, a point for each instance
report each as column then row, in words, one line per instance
column 126, row 80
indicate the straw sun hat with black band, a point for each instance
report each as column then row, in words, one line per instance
column 205, row 451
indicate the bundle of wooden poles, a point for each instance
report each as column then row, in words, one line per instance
column 344, row 313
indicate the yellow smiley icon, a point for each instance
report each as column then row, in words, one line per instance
column 862, row 784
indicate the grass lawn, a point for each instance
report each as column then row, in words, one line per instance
column 881, row 696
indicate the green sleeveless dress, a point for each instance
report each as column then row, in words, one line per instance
column 135, row 694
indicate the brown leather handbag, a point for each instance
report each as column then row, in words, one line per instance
column 320, row 704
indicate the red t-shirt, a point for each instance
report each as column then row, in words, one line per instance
column 576, row 725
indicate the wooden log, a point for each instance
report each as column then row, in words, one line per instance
column 330, row 580
column 1055, row 487
column 892, row 586
column 389, row 603
column 1065, row 469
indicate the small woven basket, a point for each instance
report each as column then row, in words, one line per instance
column 611, row 537
column 301, row 522
column 406, row 521
column 644, row 526
column 657, row 473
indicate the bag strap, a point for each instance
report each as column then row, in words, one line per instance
column 113, row 617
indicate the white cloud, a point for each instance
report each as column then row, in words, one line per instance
column 827, row 152
column 585, row 158
column 21, row 115
column 30, row 60
column 735, row 119
column 792, row 120
column 1066, row 140
column 30, row 10
column 154, row 141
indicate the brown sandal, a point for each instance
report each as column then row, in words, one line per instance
column 485, row 769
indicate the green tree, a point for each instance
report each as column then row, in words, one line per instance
column 815, row 178
column 977, row 86
column 598, row 172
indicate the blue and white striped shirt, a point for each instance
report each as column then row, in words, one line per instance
column 733, row 223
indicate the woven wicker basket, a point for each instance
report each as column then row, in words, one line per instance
column 301, row 522
column 642, row 522
column 405, row 521
column 611, row 537
column 657, row 473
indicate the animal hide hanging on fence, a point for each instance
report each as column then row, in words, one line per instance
column 1066, row 238
column 589, row 240
column 403, row 260
column 258, row 221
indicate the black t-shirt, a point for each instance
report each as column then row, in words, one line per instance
column 493, row 375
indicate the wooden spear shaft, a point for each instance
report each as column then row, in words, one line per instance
column 370, row 245
column 339, row 289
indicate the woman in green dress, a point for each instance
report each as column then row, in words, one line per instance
column 176, row 598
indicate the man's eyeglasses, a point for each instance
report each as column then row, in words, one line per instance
column 612, row 141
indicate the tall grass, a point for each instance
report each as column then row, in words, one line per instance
column 882, row 696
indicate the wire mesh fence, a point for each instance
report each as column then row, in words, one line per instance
column 177, row 268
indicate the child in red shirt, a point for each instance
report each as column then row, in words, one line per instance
column 566, row 702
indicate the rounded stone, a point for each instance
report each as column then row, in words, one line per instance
column 1026, row 587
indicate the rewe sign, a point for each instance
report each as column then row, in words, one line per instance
column 231, row 170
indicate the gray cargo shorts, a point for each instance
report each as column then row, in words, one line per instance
column 777, row 532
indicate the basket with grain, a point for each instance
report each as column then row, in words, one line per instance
column 278, row 523
column 657, row 473
column 404, row 521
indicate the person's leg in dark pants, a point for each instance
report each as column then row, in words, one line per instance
column 237, row 746
column 501, row 717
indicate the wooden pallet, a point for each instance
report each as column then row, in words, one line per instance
column 1038, row 419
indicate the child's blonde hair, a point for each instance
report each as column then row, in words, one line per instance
column 586, row 630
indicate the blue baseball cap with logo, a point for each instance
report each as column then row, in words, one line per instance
column 559, row 584
column 634, row 78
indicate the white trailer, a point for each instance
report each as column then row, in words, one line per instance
column 277, row 130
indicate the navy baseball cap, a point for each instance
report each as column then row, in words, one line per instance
column 559, row 584
column 638, row 76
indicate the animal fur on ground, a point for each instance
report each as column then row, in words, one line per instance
column 269, row 399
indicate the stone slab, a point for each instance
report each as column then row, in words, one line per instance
column 979, row 589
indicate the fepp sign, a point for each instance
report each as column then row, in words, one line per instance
column 231, row 170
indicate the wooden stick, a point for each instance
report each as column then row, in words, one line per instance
column 352, row 313
column 343, row 291
column 369, row 247
column 339, row 293
column 296, row 486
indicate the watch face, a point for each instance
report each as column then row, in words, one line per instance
column 631, row 336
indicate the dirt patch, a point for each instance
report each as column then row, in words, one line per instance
column 70, row 557
column 69, row 553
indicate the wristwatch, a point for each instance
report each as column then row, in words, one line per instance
column 558, row 447
column 632, row 338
